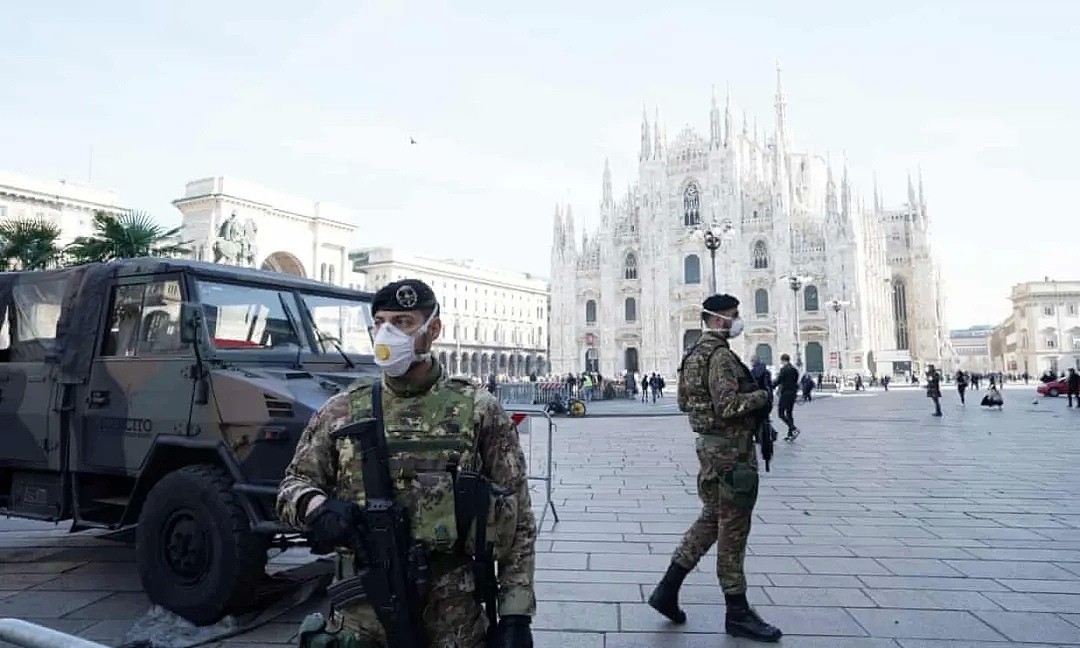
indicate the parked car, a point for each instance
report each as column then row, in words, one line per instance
column 1053, row 388
column 169, row 395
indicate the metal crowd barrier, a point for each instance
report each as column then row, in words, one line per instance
column 522, row 417
column 30, row 635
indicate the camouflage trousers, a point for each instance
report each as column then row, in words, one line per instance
column 725, row 509
column 451, row 615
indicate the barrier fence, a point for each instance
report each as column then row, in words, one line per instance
column 30, row 635
column 523, row 420
column 541, row 393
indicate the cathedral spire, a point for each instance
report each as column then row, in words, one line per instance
column 658, row 148
column 877, row 196
column 646, row 143
column 781, row 112
column 922, row 197
column 830, row 187
column 608, row 199
column 570, row 230
column 558, row 235
column 727, row 118
column 912, row 205
column 715, row 137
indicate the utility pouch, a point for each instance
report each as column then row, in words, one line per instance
column 744, row 486
column 313, row 634
column 434, row 518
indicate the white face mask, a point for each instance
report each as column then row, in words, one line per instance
column 395, row 350
column 734, row 329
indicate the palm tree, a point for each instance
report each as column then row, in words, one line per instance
column 28, row 244
column 127, row 236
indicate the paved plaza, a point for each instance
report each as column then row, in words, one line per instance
column 880, row 527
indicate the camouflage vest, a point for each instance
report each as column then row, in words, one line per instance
column 694, row 396
column 426, row 436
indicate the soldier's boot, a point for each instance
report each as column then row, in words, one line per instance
column 665, row 598
column 742, row 621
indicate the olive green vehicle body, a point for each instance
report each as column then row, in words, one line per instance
column 129, row 387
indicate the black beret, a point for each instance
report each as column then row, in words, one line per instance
column 404, row 295
column 717, row 303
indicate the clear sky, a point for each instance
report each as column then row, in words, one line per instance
column 516, row 105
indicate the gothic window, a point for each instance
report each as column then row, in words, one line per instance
column 760, row 255
column 810, row 298
column 631, row 309
column 630, row 271
column 590, row 311
column 761, row 302
column 692, row 269
column 691, row 205
column 900, row 313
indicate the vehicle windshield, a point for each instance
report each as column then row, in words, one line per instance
column 245, row 317
column 346, row 321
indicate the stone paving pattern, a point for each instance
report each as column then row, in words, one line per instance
column 880, row 527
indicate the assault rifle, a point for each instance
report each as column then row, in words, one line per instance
column 390, row 568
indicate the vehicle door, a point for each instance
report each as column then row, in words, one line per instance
column 29, row 412
column 140, row 381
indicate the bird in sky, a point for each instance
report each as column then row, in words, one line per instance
column 412, row 141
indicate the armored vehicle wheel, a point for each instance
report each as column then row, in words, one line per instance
column 194, row 549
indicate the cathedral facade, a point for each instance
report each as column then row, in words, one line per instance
column 838, row 282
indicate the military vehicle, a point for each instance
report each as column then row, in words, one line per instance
column 169, row 395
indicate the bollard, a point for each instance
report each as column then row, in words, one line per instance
column 30, row 635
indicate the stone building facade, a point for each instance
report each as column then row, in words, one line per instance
column 242, row 223
column 68, row 205
column 1042, row 333
column 494, row 322
column 626, row 297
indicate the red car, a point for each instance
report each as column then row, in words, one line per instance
column 1053, row 388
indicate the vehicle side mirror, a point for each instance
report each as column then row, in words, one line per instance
column 190, row 321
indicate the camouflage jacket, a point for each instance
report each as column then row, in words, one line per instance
column 717, row 390
column 316, row 468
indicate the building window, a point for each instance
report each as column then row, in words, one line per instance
column 760, row 256
column 763, row 352
column 630, row 270
column 810, row 298
column 1048, row 310
column 900, row 313
column 590, row 312
column 761, row 302
column 1051, row 342
column 330, row 274
column 1072, row 309
column 691, row 206
column 631, row 309
column 692, row 269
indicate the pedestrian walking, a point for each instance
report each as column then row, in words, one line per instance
column 1072, row 387
column 807, row 384
column 725, row 408
column 933, row 388
column 787, row 381
column 961, row 385
column 644, row 388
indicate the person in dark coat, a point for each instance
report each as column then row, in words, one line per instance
column 787, row 379
column 933, row 388
column 1072, row 387
column 961, row 385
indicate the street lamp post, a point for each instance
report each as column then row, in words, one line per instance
column 836, row 305
column 712, row 244
column 796, row 282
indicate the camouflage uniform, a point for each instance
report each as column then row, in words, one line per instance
column 724, row 406
column 439, row 409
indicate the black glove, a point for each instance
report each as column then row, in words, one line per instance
column 335, row 523
column 513, row 632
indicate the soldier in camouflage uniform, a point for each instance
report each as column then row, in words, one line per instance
column 430, row 420
column 725, row 407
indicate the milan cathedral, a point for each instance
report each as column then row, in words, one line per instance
column 840, row 283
